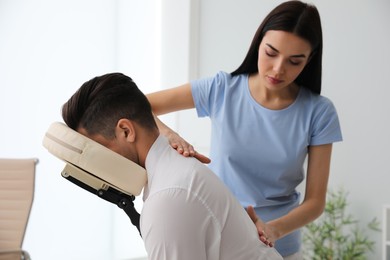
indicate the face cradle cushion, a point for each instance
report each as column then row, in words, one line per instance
column 96, row 168
column 95, row 159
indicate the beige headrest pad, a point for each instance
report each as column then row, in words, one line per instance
column 75, row 148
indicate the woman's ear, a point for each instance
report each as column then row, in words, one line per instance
column 125, row 130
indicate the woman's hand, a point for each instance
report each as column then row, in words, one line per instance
column 184, row 148
column 265, row 233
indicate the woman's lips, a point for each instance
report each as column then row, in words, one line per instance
column 273, row 80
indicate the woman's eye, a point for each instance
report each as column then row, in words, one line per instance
column 270, row 54
column 294, row 62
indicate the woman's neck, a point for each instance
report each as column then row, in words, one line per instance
column 276, row 99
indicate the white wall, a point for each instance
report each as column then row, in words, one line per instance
column 48, row 48
column 355, row 77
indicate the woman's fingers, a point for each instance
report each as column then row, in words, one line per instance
column 186, row 149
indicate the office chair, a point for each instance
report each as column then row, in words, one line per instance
column 16, row 196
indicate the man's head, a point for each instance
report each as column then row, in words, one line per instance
column 111, row 110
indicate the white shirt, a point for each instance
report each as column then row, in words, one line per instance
column 189, row 214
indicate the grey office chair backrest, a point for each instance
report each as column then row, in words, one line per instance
column 17, row 178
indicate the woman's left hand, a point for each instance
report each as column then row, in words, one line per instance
column 265, row 233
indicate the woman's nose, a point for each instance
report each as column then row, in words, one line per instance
column 279, row 66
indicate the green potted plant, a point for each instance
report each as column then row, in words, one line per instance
column 336, row 235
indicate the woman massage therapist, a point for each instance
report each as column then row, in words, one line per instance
column 268, row 117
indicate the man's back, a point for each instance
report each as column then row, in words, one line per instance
column 189, row 214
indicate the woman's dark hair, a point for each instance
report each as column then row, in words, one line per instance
column 100, row 102
column 301, row 19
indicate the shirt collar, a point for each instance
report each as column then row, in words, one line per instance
column 156, row 152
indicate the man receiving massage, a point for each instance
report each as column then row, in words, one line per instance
column 187, row 213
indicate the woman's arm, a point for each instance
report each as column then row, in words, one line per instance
column 314, row 201
column 171, row 100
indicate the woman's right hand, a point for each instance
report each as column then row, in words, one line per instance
column 184, row 148
column 170, row 100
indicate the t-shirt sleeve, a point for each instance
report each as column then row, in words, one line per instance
column 208, row 93
column 326, row 126
column 175, row 225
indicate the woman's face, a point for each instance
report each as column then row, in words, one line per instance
column 282, row 57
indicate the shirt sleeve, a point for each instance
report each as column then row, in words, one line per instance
column 175, row 225
column 326, row 126
column 208, row 93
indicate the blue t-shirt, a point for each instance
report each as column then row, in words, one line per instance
column 259, row 153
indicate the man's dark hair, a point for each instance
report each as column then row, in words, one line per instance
column 100, row 102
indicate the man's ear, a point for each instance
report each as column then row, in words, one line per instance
column 125, row 129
